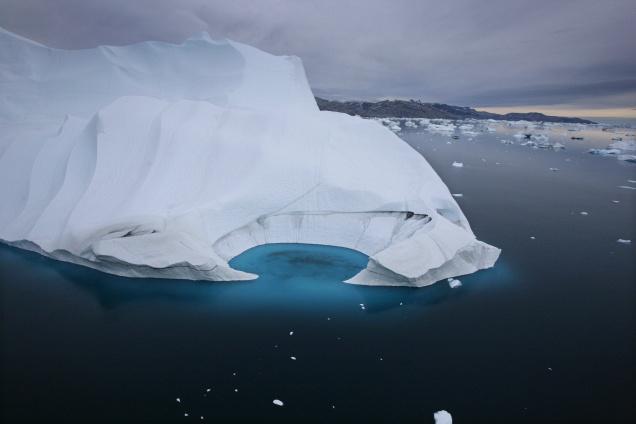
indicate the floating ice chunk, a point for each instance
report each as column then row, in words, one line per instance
column 616, row 201
column 624, row 145
column 631, row 181
column 627, row 158
column 540, row 137
column 178, row 400
column 291, row 333
column 454, row 283
column 278, row 402
column 532, row 238
column 604, row 152
column 410, row 124
column 458, row 164
column 627, row 187
column 293, row 358
column 507, row 142
column 584, row 213
column 558, row 146
column 443, row 417
column 624, row 241
column 458, row 195
column 470, row 133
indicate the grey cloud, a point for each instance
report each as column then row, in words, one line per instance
column 500, row 52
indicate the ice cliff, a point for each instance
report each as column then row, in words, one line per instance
column 165, row 160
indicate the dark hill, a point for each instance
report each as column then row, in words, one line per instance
column 417, row 109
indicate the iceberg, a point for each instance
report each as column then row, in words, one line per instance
column 168, row 160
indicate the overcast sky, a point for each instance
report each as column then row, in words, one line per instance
column 466, row 52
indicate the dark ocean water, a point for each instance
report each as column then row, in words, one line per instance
column 545, row 336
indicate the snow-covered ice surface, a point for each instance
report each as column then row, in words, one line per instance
column 163, row 160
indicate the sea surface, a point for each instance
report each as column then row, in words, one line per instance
column 547, row 335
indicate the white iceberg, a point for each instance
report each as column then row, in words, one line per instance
column 443, row 417
column 165, row 160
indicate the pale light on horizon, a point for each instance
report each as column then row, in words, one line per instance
column 566, row 110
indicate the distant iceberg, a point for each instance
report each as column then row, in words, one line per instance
column 167, row 160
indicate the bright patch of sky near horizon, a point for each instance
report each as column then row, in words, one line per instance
column 506, row 53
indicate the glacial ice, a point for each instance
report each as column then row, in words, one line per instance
column 443, row 417
column 168, row 160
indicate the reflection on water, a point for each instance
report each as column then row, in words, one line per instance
column 289, row 274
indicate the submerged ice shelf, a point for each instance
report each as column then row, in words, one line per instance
column 164, row 160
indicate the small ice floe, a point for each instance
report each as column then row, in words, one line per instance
column 458, row 164
column 178, row 400
column 185, row 414
column 540, row 137
column 627, row 187
column 605, row 152
column 458, row 195
column 616, row 201
column 533, row 238
column 443, row 417
column 624, row 145
column 291, row 333
column 410, row 124
column 558, row 146
column 293, row 358
column 631, row 181
column 235, row 390
column 454, row 283
column 624, row 241
column 549, row 368
column 208, row 390
column 401, row 303
column 627, row 158
column 584, row 213
column 507, row 142
column 278, row 402
column 554, row 169
column 362, row 306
